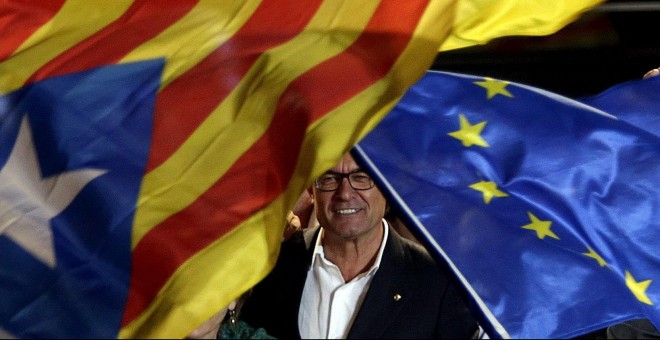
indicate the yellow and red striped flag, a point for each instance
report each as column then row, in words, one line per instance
column 187, row 128
column 479, row 21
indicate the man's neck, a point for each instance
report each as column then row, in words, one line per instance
column 353, row 256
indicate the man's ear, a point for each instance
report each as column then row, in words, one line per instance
column 310, row 191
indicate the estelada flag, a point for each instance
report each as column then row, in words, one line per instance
column 149, row 150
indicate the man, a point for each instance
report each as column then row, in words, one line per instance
column 354, row 276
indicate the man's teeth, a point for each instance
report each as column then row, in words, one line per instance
column 347, row 211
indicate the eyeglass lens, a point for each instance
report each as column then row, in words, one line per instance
column 332, row 181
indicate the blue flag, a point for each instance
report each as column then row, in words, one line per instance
column 70, row 173
column 634, row 102
column 547, row 208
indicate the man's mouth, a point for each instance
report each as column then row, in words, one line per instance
column 346, row 211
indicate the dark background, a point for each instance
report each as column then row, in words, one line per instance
column 615, row 42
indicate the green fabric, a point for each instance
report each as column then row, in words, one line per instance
column 242, row 331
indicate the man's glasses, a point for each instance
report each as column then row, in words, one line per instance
column 330, row 181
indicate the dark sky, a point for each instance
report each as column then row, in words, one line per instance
column 616, row 42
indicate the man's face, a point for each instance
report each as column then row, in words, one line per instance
column 346, row 212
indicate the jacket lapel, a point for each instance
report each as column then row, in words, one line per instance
column 388, row 292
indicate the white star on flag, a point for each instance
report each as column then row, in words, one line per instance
column 28, row 202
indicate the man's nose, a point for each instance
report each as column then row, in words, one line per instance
column 345, row 189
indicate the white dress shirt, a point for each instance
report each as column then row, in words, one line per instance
column 329, row 305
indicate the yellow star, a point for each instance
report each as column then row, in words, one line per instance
column 542, row 228
column 470, row 134
column 494, row 87
column 594, row 255
column 489, row 189
column 638, row 288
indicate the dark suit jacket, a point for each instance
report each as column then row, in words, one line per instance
column 429, row 306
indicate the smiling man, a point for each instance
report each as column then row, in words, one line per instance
column 354, row 276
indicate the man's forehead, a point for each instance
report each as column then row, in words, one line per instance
column 346, row 164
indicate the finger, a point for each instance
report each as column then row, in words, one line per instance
column 654, row 72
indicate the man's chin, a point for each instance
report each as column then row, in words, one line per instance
column 348, row 229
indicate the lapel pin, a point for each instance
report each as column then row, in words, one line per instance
column 397, row 297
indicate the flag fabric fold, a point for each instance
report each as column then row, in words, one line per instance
column 547, row 208
column 479, row 21
column 632, row 103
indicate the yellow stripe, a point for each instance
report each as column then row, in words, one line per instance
column 212, row 278
column 478, row 21
column 76, row 20
column 243, row 117
column 185, row 43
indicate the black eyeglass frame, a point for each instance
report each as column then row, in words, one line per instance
column 341, row 177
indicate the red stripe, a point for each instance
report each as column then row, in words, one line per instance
column 19, row 19
column 273, row 23
column 142, row 21
column 368, row 60
column 262, row 173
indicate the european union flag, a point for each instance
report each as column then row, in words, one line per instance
column 73, row 151
column 547, row 208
